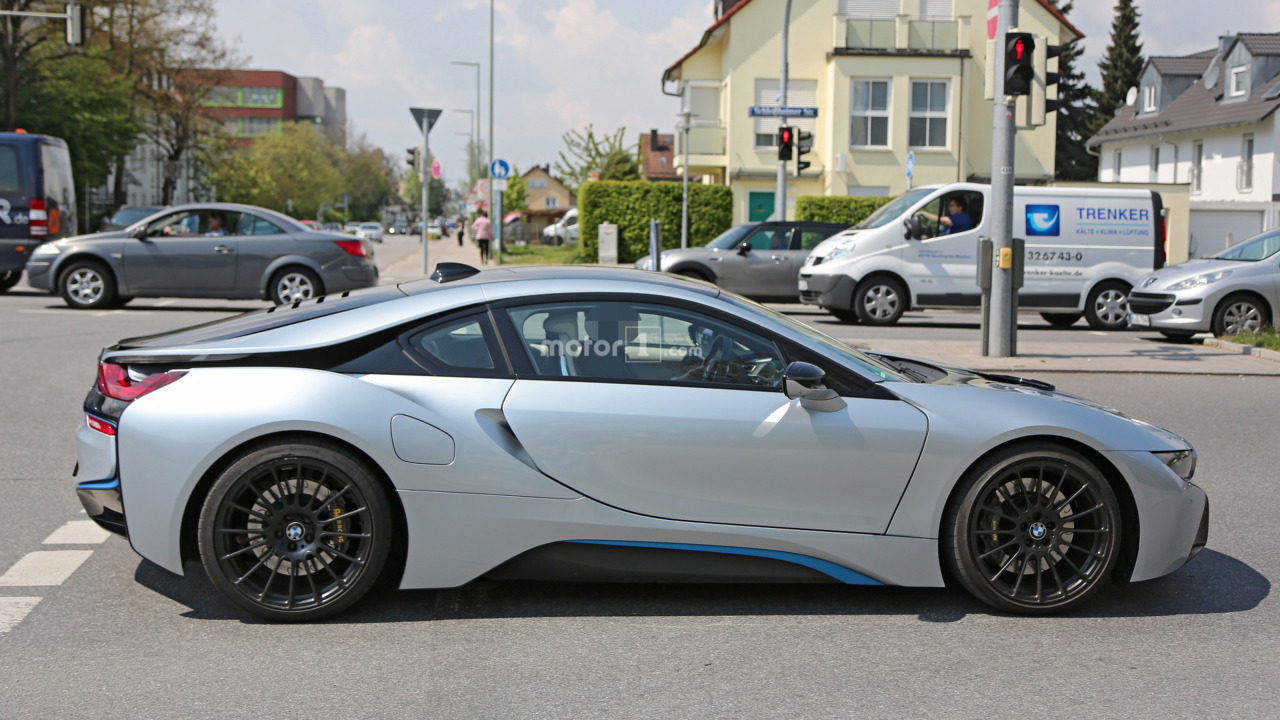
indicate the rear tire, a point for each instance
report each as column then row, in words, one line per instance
column 87, row 285
column 880, row 301
column 1240, row 313
column 1061, row 320
column 1108, row 306
column 294, row 284
column 9, row 279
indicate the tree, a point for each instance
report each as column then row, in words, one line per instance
column 368, row 176
column 27, row 46
column 517, row 195
column 1121, row 65
column 586, row 153
column 300, row 164
column 1078, row 114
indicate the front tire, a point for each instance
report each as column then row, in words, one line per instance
column 87, row 285
column 1034, row 530
column 1240, row 314
column 295, row 531
column 294, row 284
column 880, row 301
column 1107, row 307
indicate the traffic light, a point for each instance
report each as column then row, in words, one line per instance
column 786, row 138
column 1018, row 69
column 804, row 145
column 75, row 23
column 1038, row 102
column 411, row 158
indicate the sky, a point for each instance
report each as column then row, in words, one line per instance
column 565, row 64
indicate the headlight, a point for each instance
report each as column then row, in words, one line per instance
column 46, row 249
column 1181, row 462
column 644, row 263
column 1199, row 280
column 843, row 248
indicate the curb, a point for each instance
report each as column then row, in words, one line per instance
column 1253, row 350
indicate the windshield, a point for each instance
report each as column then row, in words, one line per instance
column 370, row 226
column 729, row 238
column 125, row 217
column 1259, row 248
column 848, row 355
column 890, row 212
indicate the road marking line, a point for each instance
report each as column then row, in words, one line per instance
column 44, row 567
column 14, row 609
column 165, row 303
column 1099, row 332
column 78, row 532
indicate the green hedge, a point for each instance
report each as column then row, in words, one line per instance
column 631, row 205
column 843, row 210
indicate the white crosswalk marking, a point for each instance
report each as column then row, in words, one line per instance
column 13, row 609
column 44, row 567
column 78, row 532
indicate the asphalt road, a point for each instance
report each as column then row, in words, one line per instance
column 120, row 638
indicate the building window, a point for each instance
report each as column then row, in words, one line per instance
column 1244, row 172
column 1155, row 163
column 1197, row 164
column 537, row 183
column 263, row 96
column 927, row 126
column 223, row 95
column 260, row 126
column 870, row 127
column 231, row 126
column 1149, row 98
column 550, row 201
column 800, row 93
column 1115, row 173
column 1239, row 80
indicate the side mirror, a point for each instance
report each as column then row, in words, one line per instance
column 743, row 249
column 914, row 230
column 139, row 233
column 803, row 381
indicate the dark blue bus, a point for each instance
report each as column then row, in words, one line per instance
column 37, row 199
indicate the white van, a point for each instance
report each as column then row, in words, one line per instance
column 1085, row 248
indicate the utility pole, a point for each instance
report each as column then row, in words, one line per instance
column 497, row 222
column 780, row 198
column 685, row 118
column 426, row 190
column 1004, row 312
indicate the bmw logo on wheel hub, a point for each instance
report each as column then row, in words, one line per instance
column 294, row 531
column 1037, row 531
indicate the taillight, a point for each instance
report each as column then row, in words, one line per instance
column 114, row 382
column 101, row 426
column 353, row 247
column 38, row 220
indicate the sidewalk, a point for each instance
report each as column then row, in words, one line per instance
column 438, row 251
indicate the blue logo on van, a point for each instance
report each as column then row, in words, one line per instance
column 1043, row 220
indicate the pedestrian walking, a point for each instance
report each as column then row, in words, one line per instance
column 482, row 233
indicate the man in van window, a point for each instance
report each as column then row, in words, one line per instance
column 957, row 218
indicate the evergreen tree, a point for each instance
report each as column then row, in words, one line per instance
column 1121, row 66
column 1078, row 114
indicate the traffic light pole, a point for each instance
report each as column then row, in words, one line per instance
column 780, row 197
column 426, row 191
column 999, row 337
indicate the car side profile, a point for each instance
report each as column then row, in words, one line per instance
column 214, row 250
column 606, row 423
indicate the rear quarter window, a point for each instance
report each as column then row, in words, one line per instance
column 10, row 171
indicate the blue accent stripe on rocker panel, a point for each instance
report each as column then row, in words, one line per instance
column 839, row 572
column 108, row 484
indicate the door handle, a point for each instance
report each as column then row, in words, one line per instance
column 777, row 258
column 221, row 249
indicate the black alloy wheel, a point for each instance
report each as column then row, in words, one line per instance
column 1035, row 530
column 295, row 531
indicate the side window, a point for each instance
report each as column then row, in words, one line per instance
column 642, row 342
column 254, row 225
column 464, row 346
column 10, row 171
column 770, row 238
column 809, row 239
column 195, row 223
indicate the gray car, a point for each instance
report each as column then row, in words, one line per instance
column 1237, row 290
column 212, row 250
column 759, row 260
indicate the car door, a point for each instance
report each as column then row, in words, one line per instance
column 755, row 266
column 179, row 254
column 261, row 242
column 941, row 266
column 673, row 411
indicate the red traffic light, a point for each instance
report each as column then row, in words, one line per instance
column 1018, row 49
column 786, row 135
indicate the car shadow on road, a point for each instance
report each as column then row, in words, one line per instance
column 1213, row 583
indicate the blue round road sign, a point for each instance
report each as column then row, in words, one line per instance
column 499, row 169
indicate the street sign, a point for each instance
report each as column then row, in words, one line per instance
column 911, row 164
column 499, row 169
column 500, row 184
column 993, row 12
column 172, row 169
column 782, row 112
column 436, row 170
column 430, row 115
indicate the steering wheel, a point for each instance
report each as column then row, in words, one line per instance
column 719, row 349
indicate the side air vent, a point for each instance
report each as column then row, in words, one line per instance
column 450, row 271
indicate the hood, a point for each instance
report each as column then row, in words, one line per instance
column 1157, row 281
column 122, row 234
column 824, row 248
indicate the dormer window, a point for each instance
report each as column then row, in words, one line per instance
column 1149, row 98
column 1239, row 80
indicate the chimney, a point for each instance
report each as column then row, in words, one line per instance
column 1223, row 42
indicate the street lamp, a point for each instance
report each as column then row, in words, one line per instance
column 476, row 117
column 473, row 151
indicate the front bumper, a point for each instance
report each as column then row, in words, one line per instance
column 834, row 292
column 39, row 274
column 1173, row 515
column 1170, row 311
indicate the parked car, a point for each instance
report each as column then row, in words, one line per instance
column 1234, row 291
column 37, row 199
column 759, row 260
column 369, row 231
column 590, row 422
column 332, row 227
column 351, row 227
column 128, row 215
column 564, row 232
column 1085, row 249
column 399, row 227
column 214, row 250
column 310, row 224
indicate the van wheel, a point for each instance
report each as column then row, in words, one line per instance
column 9, row 279
column 880, row 301
column 1061, row 320
column 1240, row 314
column 87, row 285
column 1108, row 306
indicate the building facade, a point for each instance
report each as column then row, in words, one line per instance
column 657, row 157
column 1208, row 120
column 889, row 79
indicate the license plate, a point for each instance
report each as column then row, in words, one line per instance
column 1139, row 320
column 804, row 284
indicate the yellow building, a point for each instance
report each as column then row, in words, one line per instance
column 888, row 78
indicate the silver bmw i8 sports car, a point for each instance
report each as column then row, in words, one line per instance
column 602, row 423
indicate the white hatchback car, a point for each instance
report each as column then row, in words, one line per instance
column 370, row 231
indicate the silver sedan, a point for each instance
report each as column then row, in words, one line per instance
column 214, row 250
